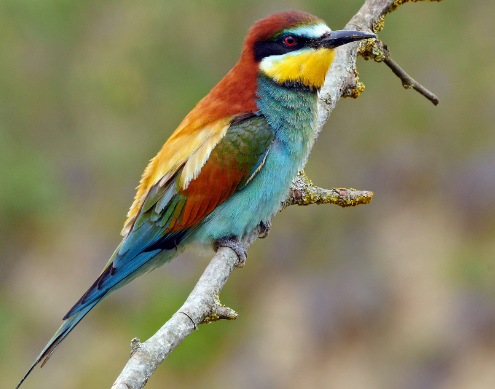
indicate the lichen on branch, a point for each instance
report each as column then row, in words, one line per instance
column 303, row 192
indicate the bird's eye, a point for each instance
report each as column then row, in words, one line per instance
column 290, row 40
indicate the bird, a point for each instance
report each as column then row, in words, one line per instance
column 229, row 164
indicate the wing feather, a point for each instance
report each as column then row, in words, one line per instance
column 171, row 211
column 188, row 149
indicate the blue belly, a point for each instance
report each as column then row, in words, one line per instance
column 257, row 202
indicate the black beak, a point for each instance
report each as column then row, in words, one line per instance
column 339, row 38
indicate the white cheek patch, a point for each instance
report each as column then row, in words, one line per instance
column 315, row 31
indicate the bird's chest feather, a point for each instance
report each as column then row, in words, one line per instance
column 291, row 114
column 257, row 201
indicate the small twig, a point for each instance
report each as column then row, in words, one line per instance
column 135, row 345
column 375, row 49
column 303, row 192
column 407, row 81
column 219, row 312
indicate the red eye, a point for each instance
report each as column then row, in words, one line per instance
column 290, row 40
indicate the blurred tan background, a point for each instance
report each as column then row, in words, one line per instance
column 396, row 294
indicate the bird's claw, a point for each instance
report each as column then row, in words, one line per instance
column 235, row 245
column 264, row 229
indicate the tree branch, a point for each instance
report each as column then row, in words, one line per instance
column 203, row 305
column 303, row 192
column 375, row 49
column 375, row 12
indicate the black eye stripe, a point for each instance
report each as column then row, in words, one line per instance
column 278, row 47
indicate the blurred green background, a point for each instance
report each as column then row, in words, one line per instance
column 396, row 294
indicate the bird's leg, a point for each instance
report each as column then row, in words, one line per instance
column 235, row 245
column 264, row 229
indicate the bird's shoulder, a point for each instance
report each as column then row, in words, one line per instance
column 220, row 156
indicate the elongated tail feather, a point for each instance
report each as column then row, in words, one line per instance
column 122, row 270
column 109, row 283
column 60, row 335
column 111, row 279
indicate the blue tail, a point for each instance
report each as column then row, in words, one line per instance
column 60, row 335
column 109, row 280
column 145, row 248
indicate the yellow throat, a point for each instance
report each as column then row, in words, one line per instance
column 308, row 66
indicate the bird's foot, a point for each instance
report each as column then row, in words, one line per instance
column 264, row 229
column 235, row 245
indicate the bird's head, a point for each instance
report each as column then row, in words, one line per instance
column 295, row 47
column 291, row 48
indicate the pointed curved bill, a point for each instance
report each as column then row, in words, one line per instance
column 338, row 38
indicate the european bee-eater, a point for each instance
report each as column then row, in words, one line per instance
column 230, row 163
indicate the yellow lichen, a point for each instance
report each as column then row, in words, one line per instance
column 379, row 24
column 355, row 92
column 370, row 50
column 353, row 202
column 232, row 315
column 306, row 193
column 213, row 317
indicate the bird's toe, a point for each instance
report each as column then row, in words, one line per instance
column 264, row 229
column 235, row 245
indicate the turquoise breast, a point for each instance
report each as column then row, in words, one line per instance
column 290, row 113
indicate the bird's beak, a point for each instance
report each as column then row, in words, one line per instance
column 338, row 38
